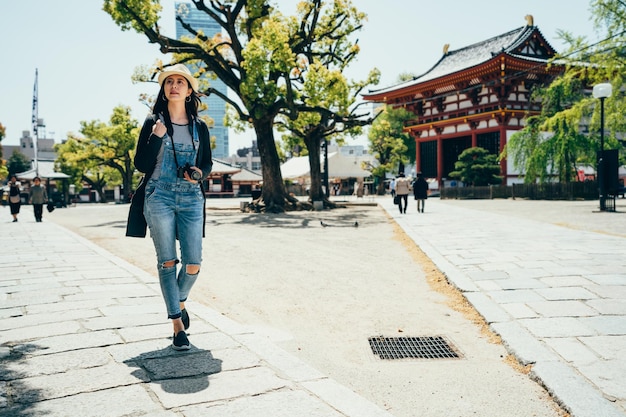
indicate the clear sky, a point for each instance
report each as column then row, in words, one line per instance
column 85, row 61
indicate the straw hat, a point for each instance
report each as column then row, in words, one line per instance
column 179, row 69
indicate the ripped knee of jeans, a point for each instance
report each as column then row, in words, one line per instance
column 192, row 269
column 169, row 264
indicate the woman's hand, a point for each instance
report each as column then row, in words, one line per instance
column 191, row 180
column 159, row 129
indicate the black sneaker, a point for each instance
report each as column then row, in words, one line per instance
column 180, row 341
column 185, row 318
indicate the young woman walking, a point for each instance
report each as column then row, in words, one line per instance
column 174, row 152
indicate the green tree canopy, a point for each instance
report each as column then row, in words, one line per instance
column 388, row 142
column 553, row 143
column 104, row 156
column 477, row 167
column 328, row 113
column 3, row 133
column 3, row 169
column 260, row 58
column 18, row 162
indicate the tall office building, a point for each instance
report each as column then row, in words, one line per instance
column 199, row 20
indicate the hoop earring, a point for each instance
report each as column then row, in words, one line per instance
column 163, row 97
column 188, row 99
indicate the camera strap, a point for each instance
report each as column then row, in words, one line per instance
column 193, row 143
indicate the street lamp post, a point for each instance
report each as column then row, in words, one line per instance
column 602, row 91
column 327, row 190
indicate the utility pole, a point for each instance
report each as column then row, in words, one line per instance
column 35, row 122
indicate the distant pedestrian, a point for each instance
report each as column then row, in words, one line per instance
column 256, row 193
column 392, row 187
column 174, row 152
column 15, row 200
column 403, row 187
column 420, row 191
column 37, row 196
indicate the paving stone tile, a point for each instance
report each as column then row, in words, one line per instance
column 557, row 327
column 180, row 365
column 488, row 275
column 6, row 313
column 606, row 325
column 78, row 381
column 573, row 350
column 91, row 404
column 23, row 300
column 572, row 389
column 19, row 367
column 565, row 308
column 501, row 267
column 284, row 362
column 607, row 279
column 607, row 347
column 523, row 345
column 117, row 322
column 609, row 306
column 488, row 286
column 516, row 296
column 609, row 376
column 566, row 281
column 221, row 386
column 25, row 334
column 344, row 400
column 284, row 403
column 568, row 293
column 520, row 283
column 60, row 306
column 519, row 310
column 617, row 292
column 136, row 292
column 70, row 341
column 31, row 320
column 485, row 306
column 145, row 307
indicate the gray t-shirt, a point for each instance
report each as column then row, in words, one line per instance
column 181, row 135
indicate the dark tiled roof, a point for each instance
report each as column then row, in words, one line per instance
column 471, row 56
column 221, row 167
column 246, row 175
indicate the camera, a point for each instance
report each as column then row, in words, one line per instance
column 193, row 174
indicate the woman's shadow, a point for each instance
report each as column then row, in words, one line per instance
column 177, row 372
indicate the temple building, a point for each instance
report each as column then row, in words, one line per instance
column 478, row 95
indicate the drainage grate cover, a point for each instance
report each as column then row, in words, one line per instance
column 431, row 347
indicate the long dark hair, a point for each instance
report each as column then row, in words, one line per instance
column 191, row 107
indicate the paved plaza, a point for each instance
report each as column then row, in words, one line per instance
column 550, row 279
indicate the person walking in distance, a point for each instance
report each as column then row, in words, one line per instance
column 37, row 196
column 15, row 200
column 174, row 153
column 402, row 191
column 420, row 191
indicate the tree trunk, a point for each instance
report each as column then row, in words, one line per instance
column 274, row 191
column 313, row 146
column 98, row 186
column 380, row 188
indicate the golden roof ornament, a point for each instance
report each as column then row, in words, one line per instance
column 529, row 20
column 445, row 48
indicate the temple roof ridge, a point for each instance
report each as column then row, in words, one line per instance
column 475, row 54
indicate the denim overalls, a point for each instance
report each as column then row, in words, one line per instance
column 174, row 208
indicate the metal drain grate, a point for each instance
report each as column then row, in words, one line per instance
column 431, row 347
